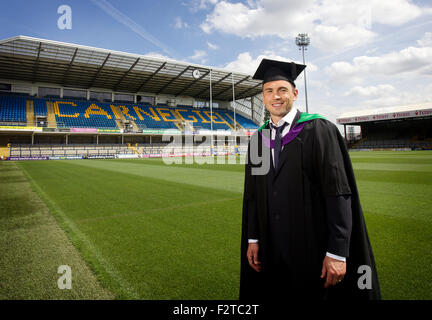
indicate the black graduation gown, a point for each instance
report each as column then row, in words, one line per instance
column 313, row 166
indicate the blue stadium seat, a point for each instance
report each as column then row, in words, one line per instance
column 40, row 107
column 13, row 109
column 83, row 114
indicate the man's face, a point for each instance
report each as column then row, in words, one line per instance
column 278, row 97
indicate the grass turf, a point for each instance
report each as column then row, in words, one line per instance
column 152, row 231
column 33, row 246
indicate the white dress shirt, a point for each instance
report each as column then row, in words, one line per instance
column 289, row 118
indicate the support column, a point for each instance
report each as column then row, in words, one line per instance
column 345, row 134
column 235, row 122
column 211, row 112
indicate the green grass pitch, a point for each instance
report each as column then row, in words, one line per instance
column 140, row 229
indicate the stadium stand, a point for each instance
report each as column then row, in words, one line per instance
column 122, row 109
column 405, row 127
column 77, row 113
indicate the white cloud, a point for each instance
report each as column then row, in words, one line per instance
column 369, row 51
column 382, row 90
column 199, row 55
column 157, row 55
column 408, row 61
column 329, row 38
column 248, row 65
column 244, row 63
column 333, row 24
column 385, row 95
column 394, row 12
column 212, row 46
column 426, row 41
column 196, row 5
column 179, row 24
column 417, row 94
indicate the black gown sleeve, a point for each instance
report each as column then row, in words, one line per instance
column 339, row 223
column 334, row 185
column 252, row 221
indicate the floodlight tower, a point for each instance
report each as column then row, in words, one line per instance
column 303, row 40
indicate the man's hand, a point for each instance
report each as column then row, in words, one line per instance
column 334, row 269
column 252, row 255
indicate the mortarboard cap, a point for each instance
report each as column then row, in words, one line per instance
column 272, row 70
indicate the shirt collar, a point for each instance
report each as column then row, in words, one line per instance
column 289, row 117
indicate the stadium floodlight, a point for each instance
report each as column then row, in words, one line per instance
column 303, row 40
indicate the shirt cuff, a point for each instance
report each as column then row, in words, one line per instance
column 330, row 255
column 252, row 240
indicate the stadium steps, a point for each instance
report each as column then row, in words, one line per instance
column 134, row 125
column 52, row 122
column 118, row 116
column 238, row 125
column 123, row 118
column 119, row 124
column 179, row 123
column 4, row 152
column 30, row 113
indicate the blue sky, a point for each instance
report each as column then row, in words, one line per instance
column 363, row 54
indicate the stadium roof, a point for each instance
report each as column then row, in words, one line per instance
column 39, row 60
column 387, row 113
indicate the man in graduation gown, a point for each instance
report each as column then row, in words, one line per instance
column 303, row 230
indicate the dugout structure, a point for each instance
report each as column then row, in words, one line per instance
column 55, row 77
column 407, row 127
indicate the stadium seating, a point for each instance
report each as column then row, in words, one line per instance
column 149, row 117
column 83, row 114
column 13, row 110
column 200, row 118
column 378, row 142
column 77, row 113
column 40, row 107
